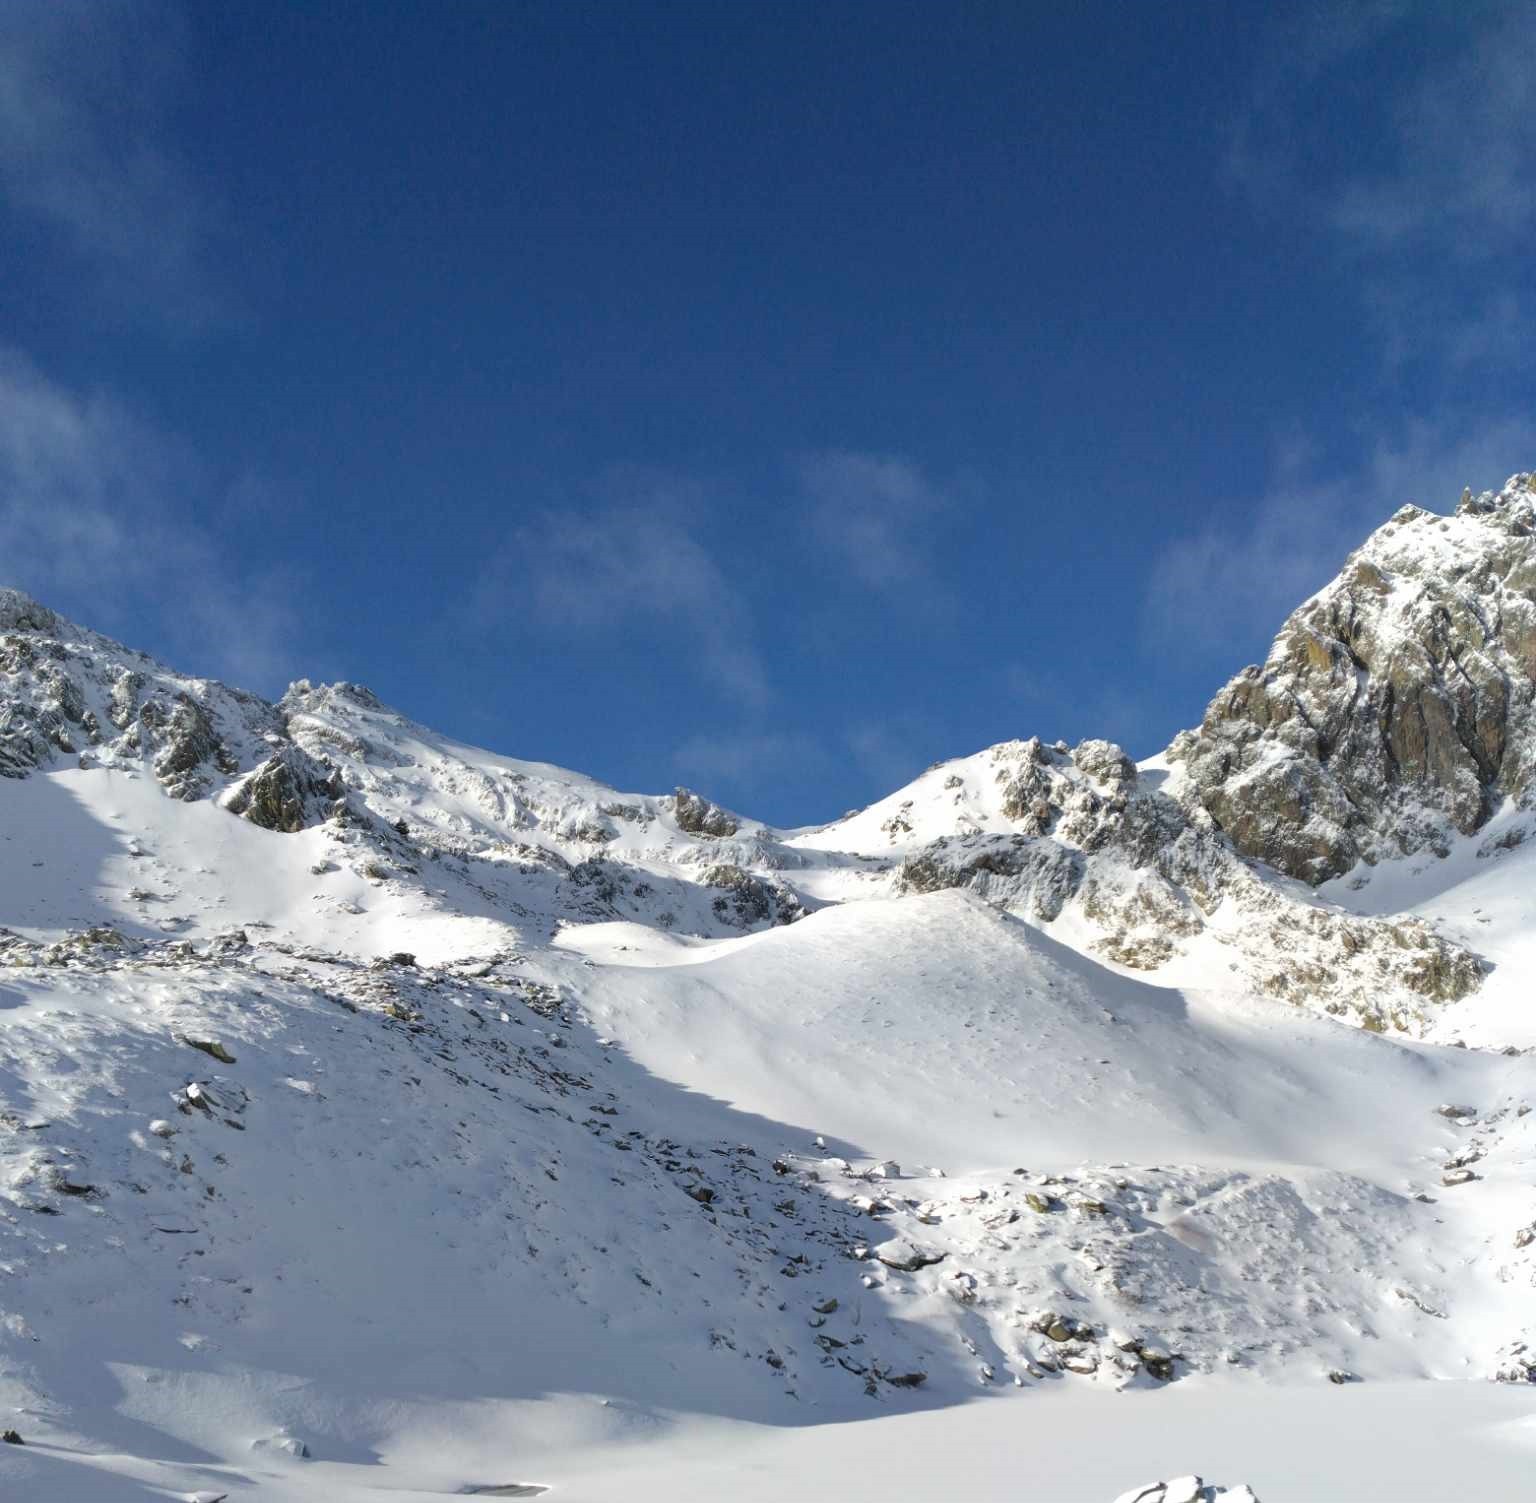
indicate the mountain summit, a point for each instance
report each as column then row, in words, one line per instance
column 1395, row 706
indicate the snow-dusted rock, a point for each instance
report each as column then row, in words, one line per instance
column 1187, row 1489
column 1395, row 706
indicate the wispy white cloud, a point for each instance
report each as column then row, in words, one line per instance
column 84, row 154
column 1432, row 204
column 894, row 750
column 1022, row 682
column 124, row 529
column 643, row 557
column 1463, row 171
column 875, row 512
column 744, row 758
column 1226, row 588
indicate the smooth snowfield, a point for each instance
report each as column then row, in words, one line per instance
column 108, row 847
column 938, row 1031
column 1410, row 1443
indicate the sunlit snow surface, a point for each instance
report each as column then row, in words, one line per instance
column 450, row 1243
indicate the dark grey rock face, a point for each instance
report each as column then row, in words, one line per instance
column 748, row 900
column 289, row 792
column 1395, row 706
column 697, row 816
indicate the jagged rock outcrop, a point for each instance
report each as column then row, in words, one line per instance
column 697, row 816
column 1077, row 833
column 747, row 900
column 289, row 792
column 1395, row 706
column 66, row 691
column 20, row 612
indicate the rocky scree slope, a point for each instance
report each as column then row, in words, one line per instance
column 204, row 1147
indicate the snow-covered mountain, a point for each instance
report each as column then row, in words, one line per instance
column 377, row 1112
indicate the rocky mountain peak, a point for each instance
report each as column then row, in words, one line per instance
column 1395, row 705
column 69, row 692
column 20, row 612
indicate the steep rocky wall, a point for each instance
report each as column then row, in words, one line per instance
column 1395, row 706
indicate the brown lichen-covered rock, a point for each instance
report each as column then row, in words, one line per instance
column 1395, row 706
column 289, row 792
column 697, row 816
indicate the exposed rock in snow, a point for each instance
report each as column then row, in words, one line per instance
column 289, row 792
column 1190, row 1489
column 1395, row 706
column 697, row 816
column 68, row 691
column 1069, row 836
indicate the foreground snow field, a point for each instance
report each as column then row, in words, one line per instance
column 381, row 1116
column 1411, row 1443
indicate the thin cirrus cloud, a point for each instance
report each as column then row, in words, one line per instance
column 1464, row 138
column 84, row 158
column 107, row 519
column 1430, row 216
column 1227, row 587
column 1451, row 176
column 747, row 758
column 1448, row 135
column 644, row 555
column 639, row 560
column 873, row 512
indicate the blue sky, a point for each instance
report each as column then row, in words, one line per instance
column 775, row 398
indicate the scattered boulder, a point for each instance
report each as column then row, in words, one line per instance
column 908, row 1257
column 212, row 1047
column 503, row 1490
column 1517, row 1364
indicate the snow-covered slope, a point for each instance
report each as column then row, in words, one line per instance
column 456, row 1120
